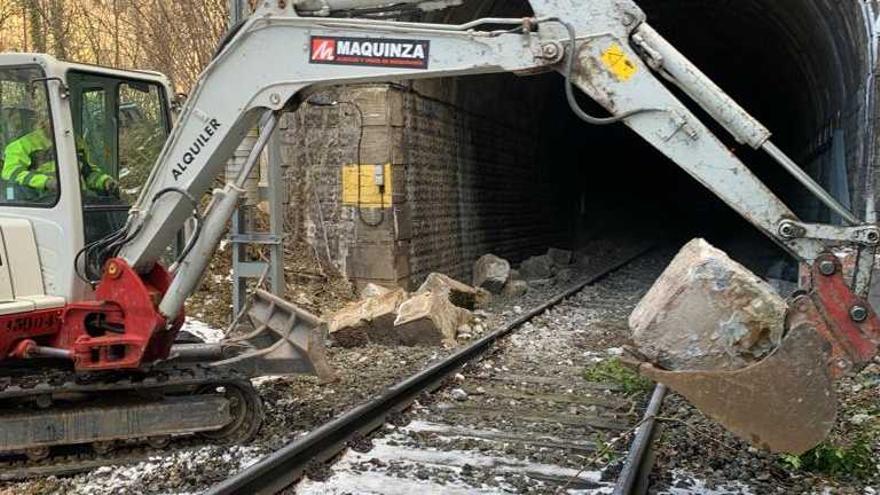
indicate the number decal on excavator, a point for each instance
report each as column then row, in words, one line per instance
column 619, row 63
column 410, row 54
column 30, row 322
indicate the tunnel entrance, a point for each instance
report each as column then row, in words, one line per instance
column 799, row 66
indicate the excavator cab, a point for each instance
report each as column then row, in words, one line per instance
column 80, row 145
column 91, row 136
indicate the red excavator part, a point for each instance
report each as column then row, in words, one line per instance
column 847, row 322
column 122, row 329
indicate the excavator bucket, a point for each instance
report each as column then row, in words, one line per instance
column 784, row 403
column 286, row 340
column 761, row 366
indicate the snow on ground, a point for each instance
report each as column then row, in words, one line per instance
column 393, row 477
column 203, row 331
column 686, row 484
column 185, row 468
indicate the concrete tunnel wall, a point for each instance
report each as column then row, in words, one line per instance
column 499, row 164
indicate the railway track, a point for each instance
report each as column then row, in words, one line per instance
column 514, row 411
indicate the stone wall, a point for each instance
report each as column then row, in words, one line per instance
column 460, row 183
column 478, row 184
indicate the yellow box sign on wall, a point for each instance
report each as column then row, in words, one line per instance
column 367, row 186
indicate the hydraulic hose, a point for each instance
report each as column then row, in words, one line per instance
column 569, row 86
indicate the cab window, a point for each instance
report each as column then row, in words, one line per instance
column 121, row 126
column 142, row 134
column 28, row 176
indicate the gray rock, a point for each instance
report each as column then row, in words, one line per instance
column 459, row 395
column 560, row 257
column 537, row 268
column 516, row 288
column 707, row 312
column 564, row 276
column 491, row 273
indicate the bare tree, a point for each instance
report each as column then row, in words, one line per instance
column 176, row 37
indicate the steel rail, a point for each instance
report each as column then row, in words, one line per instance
column 284, row 467
column 633, row 477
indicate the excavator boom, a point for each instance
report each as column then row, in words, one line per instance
column 606, row 49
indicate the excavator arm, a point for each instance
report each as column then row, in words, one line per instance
column 605, row 48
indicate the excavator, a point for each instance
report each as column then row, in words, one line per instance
column 93, row 285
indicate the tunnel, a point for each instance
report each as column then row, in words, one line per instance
column 799, row 66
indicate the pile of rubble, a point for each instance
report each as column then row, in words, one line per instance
column 442, row 308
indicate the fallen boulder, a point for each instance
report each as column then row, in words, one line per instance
column 460, row 294
column 564, row 276
column 491, row 273
column 429, row 319
column 560, row 257
column 516, row 288
column 537, row 268
column 367, row 320
column 707, row 312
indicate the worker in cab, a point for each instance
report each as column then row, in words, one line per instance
column 29, row 161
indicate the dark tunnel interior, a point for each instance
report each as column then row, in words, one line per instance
column 797, row 65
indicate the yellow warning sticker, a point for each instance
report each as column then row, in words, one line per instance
column 619, row 63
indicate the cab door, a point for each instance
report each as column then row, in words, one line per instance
column 121, row 125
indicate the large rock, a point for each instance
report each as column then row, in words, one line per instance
column 560, row 257
column 368, row 320
column 429, row 319
column 537, row 268
column 460, row 294
column 707, row 312
column 564, row 276
column 483, row 298
column 516, row 288
column 491, row 273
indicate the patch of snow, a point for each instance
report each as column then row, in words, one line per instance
column 203, row 331
column 164, row 472
column 371, row 482
column 686, row 484
column 417, row 426
column 348, row 477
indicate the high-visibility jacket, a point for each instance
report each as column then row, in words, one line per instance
column 30, row 161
